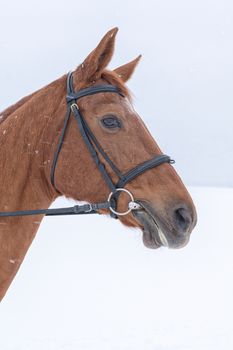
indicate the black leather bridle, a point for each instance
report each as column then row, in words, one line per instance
column 95, row 149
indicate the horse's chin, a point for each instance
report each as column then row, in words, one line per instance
column 151, row 237
column 154, row 234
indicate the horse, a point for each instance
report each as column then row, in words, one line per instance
column 30, row 133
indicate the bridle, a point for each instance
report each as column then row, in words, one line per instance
column 95, row 149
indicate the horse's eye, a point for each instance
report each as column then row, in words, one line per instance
column 111, row 122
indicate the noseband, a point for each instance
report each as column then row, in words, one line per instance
column 95, row 150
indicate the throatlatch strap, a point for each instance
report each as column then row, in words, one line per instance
column 58, row 149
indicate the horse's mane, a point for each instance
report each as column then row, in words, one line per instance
column 11, row 109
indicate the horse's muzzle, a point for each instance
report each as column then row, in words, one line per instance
column 171, row 230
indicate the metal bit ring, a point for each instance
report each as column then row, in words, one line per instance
column 130, row 207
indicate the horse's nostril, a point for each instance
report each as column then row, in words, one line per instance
column 182, row 219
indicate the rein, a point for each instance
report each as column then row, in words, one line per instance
column 94, row 148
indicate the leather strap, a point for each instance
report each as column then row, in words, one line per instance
column 141, row 168
column 75, row 210
column 59, row 146
column 92, row 145
column 87, row 140
column 91, row 91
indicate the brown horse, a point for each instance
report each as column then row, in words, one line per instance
column 30, row 130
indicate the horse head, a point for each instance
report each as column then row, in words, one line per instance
column 167, row 214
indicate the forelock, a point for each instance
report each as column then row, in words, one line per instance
column 112, row 78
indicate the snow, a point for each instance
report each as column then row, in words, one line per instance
column 88, row 283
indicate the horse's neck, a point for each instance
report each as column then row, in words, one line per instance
column 22, row 181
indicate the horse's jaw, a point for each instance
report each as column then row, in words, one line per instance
column 155, row 233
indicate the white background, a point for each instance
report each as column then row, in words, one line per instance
column 89, row 283
column 183, row 85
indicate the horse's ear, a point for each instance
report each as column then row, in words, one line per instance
column 99, row 58
column 125, row 71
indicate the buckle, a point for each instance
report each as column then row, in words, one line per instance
column 89, row 209
column 73, row 106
